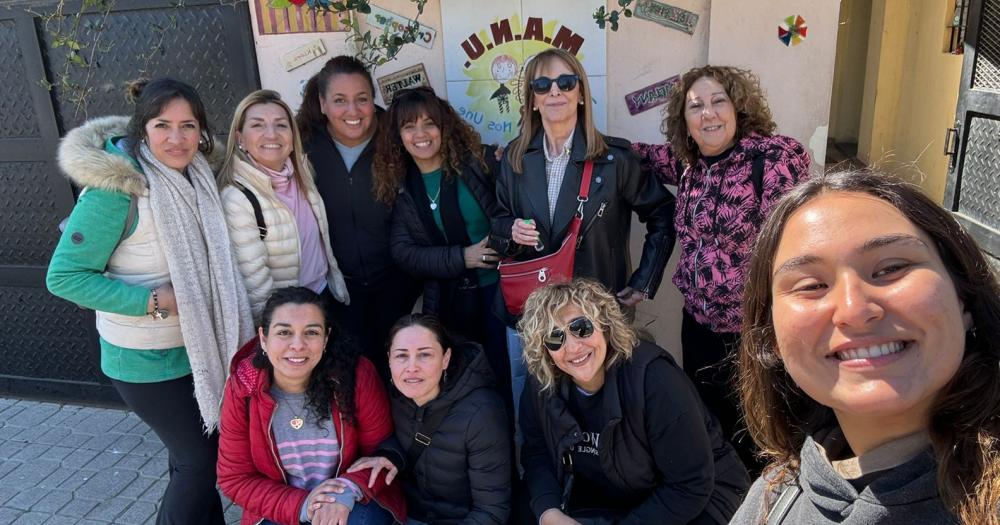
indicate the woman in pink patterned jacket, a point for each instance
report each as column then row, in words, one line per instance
column 730, row 169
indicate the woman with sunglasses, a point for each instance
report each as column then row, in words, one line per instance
column 614, row 432
column 432, row 170
column 539, row 184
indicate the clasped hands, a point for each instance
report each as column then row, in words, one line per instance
column 322, row 507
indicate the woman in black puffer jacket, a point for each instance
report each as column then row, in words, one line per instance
column 443, row 391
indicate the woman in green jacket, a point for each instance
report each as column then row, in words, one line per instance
column 147, row 248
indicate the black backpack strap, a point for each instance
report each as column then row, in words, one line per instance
column 258, row 213
column 757, row 176
column 422, row 438
column 131, row 218
column 784, row 504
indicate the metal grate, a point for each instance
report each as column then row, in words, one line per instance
column 979, row 198
column 192, row 44
column 29, row 214
column 40, row 336
column 19, row 119
column 986, row 71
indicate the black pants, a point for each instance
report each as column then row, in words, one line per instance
column 710, row 362
column 372, row 312
column 170, row 409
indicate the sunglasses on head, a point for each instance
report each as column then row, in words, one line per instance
column 567, row 82
column 581, row 328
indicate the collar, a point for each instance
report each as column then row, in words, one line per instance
column 566, row 149
column 883, row 457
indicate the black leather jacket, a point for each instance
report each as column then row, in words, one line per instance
column 660, row 445
column 618, row 188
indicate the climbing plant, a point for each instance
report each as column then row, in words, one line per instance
column 605, row 17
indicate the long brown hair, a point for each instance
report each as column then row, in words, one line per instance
column 310, row 117
column 531, row 121
column 261, row 96
column 743, row 88
column 965, row 418
column 459, row 141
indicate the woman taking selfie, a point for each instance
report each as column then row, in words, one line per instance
column 870, row 363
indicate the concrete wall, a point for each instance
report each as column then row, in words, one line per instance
column 849, row 71
column 911, row 90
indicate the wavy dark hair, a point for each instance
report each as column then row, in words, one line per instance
column 965, row 417
column 333, row 379
column 150, row 97
column 459, row 140
column 742, row 86
column 310, row 117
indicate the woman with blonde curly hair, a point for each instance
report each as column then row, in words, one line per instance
column 613, row 430
column 431, row 170
column 730, row 169
column 869, row 361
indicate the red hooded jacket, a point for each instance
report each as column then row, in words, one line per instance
column 250, row 473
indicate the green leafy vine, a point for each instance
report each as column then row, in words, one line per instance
column 610, row 18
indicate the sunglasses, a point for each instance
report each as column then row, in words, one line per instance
column 581, row 328
column 541, row 85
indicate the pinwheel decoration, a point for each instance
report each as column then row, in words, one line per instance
column 792, row 30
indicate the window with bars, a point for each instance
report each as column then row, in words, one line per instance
column 955, row 28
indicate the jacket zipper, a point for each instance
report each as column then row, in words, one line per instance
column 270, row 441
column 694, row 260
column 590, row 223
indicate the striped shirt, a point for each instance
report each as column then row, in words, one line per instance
column 555, row 170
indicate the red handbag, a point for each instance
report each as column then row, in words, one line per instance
column 519, row 279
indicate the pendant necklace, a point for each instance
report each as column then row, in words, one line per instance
column 296, row 422
column 434, row 199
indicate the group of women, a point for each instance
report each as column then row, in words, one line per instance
column 866, row 318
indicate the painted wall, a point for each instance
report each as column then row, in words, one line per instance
column 911, row 91
column 849, row 71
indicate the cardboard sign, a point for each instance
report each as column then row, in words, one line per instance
column 667, row 15
column 650, row 96
column 394, row 23
column 410, row 77
column 303, row 55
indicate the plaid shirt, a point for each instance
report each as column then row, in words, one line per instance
column 555, row 170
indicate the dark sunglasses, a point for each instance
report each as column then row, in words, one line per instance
column 541, row 85
column 581, row 328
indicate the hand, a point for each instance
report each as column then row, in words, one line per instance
column 556, row 517
column 498, row 153
column 524, row 232
column 376, row 463
column 479, row 256
column 335, row 514
column 630, row 297
column 165, row 298
column 322, row 495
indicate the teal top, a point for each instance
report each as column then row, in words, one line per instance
column 76, row 273
column 477, row 224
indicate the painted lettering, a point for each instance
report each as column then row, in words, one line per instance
column 501, row 32
column 473, row 47
column 533, row 30
column 567, row 40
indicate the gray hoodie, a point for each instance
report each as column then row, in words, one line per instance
column 906, row 494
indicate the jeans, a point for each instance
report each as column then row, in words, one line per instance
column 518, row 376
column 370, row 514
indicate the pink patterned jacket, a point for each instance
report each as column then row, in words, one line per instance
column 717, row 218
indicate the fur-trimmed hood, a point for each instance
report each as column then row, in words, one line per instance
column 86, row 163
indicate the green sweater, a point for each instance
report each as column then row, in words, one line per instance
column 76, row 273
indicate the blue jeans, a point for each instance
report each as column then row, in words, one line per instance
column 518, row 376
column 370, row 514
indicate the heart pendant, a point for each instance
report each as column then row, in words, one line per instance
column 296, row 423
column 434, row 206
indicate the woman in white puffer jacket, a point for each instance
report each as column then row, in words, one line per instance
column 284, row 240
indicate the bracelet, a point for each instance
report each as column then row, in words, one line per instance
column 157, row 313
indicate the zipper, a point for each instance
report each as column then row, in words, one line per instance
column 694, row 214
column 590, row 223
column 270, row 441
column 340, row 438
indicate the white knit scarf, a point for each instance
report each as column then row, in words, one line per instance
column 211, row 298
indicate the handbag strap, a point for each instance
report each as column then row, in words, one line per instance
column 422, row 437
column 582, row 198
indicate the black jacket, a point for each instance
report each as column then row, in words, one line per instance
column 618, row 188
column 463, row 477
column 359, row 224
column 660, row 443
column 420, row 248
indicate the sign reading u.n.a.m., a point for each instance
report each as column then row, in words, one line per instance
column 488, row 42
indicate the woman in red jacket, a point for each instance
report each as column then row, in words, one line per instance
column 286, row 437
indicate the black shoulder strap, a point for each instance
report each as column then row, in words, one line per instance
column 422, row 438
column 784, row 504
column 133, row 215
column 257, row 212
column 757, row 176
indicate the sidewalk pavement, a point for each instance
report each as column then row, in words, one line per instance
column 70, row 464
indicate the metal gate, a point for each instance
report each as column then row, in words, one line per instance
column 973, row 189
column 48, row 347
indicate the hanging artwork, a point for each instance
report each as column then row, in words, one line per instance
column 389, row 21
column 792, row 30
column 410, row 77
column 667, row 15
column 650, row 96
column 277, row 17
column 488, row 42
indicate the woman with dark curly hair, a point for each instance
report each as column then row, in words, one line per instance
column 431, row 170
column 869, row 360
column 300, row 406
column 729, row 168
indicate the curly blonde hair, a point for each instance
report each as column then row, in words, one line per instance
column 459, row 140
column 743, row 87
column 541, row 315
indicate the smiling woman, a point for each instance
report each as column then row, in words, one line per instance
column 869, row 362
